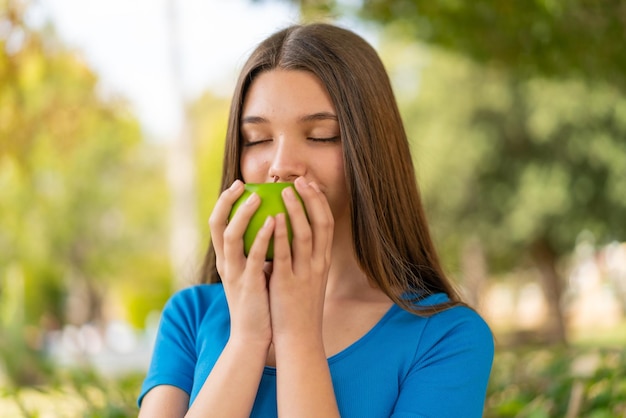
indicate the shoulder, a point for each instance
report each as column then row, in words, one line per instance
column 191, row 304
column 455, row 320
column 201, row 294
column 457, row 328
column 449, row 363
column 175, row 352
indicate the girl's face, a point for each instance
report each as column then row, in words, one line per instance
column 289, row 129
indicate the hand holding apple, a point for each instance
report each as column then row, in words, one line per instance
column 271, row 205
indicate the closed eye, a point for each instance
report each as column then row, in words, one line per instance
column 252, row 143
column 328, row 139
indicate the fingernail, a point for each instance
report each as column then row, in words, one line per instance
column 267, row 222
column 302, row 182
column 252, row 199
column 235, row 184
column 315, row 186
column 288, row 193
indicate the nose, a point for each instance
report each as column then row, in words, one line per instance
column 287, row 163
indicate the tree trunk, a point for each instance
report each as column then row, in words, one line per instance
column 545, row 258
column 184, row 241
column 84, row 301
column 474, row 271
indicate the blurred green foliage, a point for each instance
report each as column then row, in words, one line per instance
column 76, row 392
column 82, row 200
column 83, row 196
column 511, row 161
column 208, row 116
column 559, row 39
column 536, row 382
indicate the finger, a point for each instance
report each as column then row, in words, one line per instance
column 330, row 225
column 258, row 250
column 300, row 227
column 320, row 217
column 233, row 234
column 282, row 263
column 219, row 217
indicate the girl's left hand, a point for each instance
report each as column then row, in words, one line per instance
column 298, row 279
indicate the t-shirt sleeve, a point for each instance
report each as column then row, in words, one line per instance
column 451, row 369
column 174, row 355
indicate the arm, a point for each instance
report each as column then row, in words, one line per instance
column 165, row 390
column 304, row 385
column 231, row 386
column 164, row 401
column 297, row 291
column 233, row 383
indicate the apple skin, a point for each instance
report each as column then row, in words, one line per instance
column 271, row 205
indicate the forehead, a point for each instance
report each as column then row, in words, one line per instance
column 279, row 92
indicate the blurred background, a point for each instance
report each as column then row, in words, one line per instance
column 112, row 121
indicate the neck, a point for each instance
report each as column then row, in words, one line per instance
column 346, row 280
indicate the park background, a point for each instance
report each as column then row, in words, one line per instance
column 110, row 165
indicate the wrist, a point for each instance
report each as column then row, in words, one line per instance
column 248, row 344
column 298, row 345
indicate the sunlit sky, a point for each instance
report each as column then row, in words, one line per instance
column 128, row 43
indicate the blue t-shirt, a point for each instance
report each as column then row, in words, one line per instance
column 405, row 366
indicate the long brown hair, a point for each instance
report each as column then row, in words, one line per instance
column 390, row 234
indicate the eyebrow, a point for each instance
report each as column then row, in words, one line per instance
column 253, row 120
column 318, row 116
column 306, row 118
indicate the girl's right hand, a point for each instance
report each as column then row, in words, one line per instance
column 243, row 278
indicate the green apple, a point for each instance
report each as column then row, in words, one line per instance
column 271, row 205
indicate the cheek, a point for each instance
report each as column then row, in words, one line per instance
column 340, row 208
column 339, row 198
column 253, row 168
column 339, row 172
